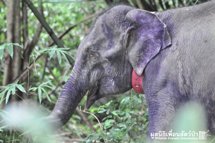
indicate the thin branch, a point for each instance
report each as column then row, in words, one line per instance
column 44, row 68
column 39, row 28
column 36, row 36
column 85, row 119
column 55, row 78
column 27, row 69
column 74, row 25
column 25, row 22
column 47, row 28
column 30, row 45
column 44, row 23
column 85, row 111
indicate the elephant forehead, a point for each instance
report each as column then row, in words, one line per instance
column 115, row 17
column 108, row 32
column 101, row 37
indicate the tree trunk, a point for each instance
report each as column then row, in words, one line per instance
column 10, row 30
column 16, row 65
column 12, row 66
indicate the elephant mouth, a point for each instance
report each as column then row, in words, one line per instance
column 92, row 96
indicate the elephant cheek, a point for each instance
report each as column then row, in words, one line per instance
column 95, row 76
column 107, row 87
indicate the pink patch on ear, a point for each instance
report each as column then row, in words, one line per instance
column 137, row 82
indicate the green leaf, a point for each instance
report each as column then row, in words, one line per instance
column 60, row 53
column 101, row 110
column 2, row 94
column 40, row 94
column 108, row 124
column 10, row 90
column 10, row 49
column 52, row 53
column 42, row 90
column 2, row 47
column 21, row 88
column 7, row 97
column 59, row 57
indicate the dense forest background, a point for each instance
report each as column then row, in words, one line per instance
column 38, row 42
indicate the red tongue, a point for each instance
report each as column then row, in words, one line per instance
column 137, row 82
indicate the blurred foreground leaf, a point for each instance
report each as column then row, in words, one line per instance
column 29, row 119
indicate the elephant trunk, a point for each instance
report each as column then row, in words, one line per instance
column 67, row 102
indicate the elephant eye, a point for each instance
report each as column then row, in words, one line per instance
column 93, row 54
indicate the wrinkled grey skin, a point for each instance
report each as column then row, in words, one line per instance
column 174, row 50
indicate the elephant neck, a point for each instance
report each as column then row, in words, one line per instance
column 137, row 82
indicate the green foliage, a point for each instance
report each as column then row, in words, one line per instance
column 157, row 5
column 10, row 90
column 41, row 90
column 61, row 53
column 3, row 28
column 66, row 14
column 168, row 4
column 124, row 120
column 9, row 47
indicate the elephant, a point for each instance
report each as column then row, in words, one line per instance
column 173, row 50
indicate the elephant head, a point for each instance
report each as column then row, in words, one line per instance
column 122, row 39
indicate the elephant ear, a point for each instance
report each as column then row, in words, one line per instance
column 146, row 39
